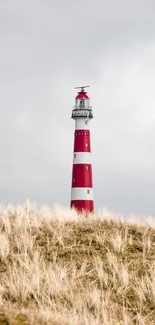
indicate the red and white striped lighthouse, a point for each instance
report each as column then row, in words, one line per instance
column 82, row 185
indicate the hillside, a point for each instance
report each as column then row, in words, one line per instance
column 60, row 269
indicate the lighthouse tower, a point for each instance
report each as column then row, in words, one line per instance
column 82, row 185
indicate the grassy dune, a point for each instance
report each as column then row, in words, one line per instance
column 59, row 268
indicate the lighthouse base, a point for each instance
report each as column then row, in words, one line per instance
column 83, row 205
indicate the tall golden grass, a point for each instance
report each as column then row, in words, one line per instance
column 61, row 268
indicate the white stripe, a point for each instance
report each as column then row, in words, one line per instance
column 81, row 125
column 82, row 158
column 81, row 193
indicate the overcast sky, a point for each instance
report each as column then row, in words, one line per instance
column 47, row 47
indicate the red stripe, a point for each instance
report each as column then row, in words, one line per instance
column 82, row 141
column 82, row 175
column 82, row 131
column 80, row 205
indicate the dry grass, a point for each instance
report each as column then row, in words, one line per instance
column 59, row 268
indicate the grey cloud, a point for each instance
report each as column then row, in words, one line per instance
column 47, row 48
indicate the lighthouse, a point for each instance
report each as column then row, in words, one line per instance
column 82, row 183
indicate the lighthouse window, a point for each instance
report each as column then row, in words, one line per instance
column 87, row 167
column 88, row 191
column 85, row 133
column 73, row 180
column 86, row 122
column 86, row 144
column 74, row 155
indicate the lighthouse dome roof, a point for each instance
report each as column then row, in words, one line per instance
column 82, row 94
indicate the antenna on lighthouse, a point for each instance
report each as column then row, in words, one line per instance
column 82, row 88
